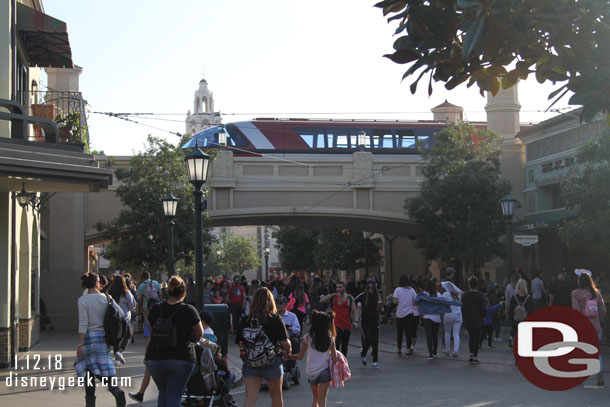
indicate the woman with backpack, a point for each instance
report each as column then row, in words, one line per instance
column 263, row 329
column 93, row 358
column 170, row 355
column 521, row 305
column 121, row 295
column 319, row 344
column 588, row 300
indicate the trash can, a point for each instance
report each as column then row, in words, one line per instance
column 220, row 324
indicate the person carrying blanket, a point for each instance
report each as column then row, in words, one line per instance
column 93, row 355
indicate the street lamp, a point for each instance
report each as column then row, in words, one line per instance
column 367, row 238
column 509, row 204
column 222, row 137
column 170, row 204
column 361, row 139
column 197, row 167
column 267, row 251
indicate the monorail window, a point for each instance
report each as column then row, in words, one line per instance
column 330, row 141
column 235, row 138
column 342, row 141
column 320, row 141
column 425, row 138
column 308, row 139
column 383, row 138
column 406, row 139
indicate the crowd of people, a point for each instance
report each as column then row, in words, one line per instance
column 282, row 309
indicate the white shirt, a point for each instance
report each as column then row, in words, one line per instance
column 405, row 296
column 317, row 361
column 455, row 309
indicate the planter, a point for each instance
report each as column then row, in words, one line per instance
column 64, row 134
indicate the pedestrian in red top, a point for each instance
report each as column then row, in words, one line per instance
column 237, row 298
column 345, row 315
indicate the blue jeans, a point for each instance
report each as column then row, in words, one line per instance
column 171, row 377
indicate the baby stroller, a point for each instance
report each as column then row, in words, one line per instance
column 209, row 384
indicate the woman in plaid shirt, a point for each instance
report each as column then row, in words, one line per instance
column 93, row 356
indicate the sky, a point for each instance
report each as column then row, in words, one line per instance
column 266, row 58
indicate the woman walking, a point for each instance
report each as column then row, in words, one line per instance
column 453, row 320
column 119, row 291
column 511, row 289
column 298, row 302
column 431, row 321
column 171, row 361
column 474, row 309
column 520, row 306
column 93, row 358
column 369, row 308
column 320, row 347
column 588, row 300
column 263, row 313
column 407, row 315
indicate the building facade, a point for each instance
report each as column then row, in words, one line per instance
column 550, row 158
column 43, row 152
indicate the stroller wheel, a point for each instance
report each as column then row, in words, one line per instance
column 296, row 378
column 286, row 381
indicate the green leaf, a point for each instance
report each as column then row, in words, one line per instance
column 474, row 37
column 510, row 79
column 467, row 4
column 403, row 56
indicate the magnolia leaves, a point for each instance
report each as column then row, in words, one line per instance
column 495, row 44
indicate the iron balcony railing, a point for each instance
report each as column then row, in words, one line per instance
column 67, row 109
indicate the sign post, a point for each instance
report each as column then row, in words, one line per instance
column 526, row 240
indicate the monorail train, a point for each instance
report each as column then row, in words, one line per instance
column 320, row 136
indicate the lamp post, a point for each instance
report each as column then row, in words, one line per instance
column 367, row 238
column 361, row 140
column 508, row 210
column 267, row 251
column 170, row 204
column 197, row 167
column 222, row 137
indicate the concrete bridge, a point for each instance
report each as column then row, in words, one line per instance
column 361, row 190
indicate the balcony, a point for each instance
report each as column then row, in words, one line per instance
column 66, row 109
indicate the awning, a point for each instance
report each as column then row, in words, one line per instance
column 45, row 38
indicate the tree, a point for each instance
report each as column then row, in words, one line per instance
column 459, row 204
column 138, row 236
column 238, row 254
column 476, row 41
column 588, row 195
column 330, row 249
column 296, row 247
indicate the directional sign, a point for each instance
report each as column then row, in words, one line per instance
column 526, row 240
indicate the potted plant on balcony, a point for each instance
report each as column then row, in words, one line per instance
column 70, row 130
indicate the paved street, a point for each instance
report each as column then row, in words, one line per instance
column 400, row 381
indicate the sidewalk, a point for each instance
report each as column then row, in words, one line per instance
column 61, row 345
column 501, row 354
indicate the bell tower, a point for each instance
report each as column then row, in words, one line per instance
column 203, row 115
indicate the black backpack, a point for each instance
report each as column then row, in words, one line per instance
column 260, row 352
column 164, row 334
column 115, row 326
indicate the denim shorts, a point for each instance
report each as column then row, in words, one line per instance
column 323, row 377
column 269, row 373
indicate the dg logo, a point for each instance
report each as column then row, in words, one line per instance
column 557, row 348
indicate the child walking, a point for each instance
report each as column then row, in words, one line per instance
column 320, row 346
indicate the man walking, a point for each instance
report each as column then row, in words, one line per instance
column 345, row 315
column 237, row 299
column 149, row 293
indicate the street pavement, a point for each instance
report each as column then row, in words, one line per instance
column 400, row 381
